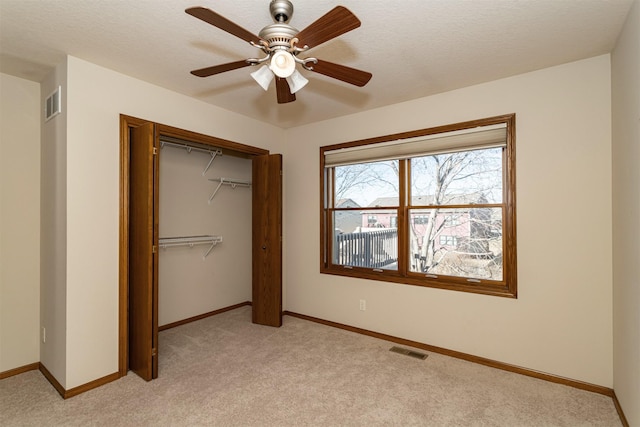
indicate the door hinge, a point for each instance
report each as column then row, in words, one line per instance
column 155, row 151
column 154, row 248
column 154, row 351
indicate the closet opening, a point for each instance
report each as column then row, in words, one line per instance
column 200, row 233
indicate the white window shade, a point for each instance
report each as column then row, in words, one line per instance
column 463, row 140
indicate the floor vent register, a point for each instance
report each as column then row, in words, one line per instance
column 407, row 352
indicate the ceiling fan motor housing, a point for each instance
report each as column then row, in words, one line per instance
column 281, row 10
column 278, row 36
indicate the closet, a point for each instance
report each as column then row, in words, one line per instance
column 201, row 230
column 205, row 213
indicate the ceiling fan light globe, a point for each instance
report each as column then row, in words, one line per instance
column 296, row 81
column 263, row 76
column 282, row 64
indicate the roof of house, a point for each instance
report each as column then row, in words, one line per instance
column 347, row 203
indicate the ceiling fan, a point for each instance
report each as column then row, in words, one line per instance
column 282, row 44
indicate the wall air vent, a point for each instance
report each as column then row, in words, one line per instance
column 53, row 104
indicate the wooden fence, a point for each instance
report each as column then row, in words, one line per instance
column 372, row 249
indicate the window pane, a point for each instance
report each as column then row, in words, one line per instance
column 457, row 242
column 365, row 247
column 467, row 177
column 367, row 184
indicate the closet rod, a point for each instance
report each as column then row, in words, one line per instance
column 190, row 241
column 212, row 153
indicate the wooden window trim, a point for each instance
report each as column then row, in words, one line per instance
column 507, row 288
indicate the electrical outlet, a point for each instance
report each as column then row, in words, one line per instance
column 363, row 305
column 44, row 334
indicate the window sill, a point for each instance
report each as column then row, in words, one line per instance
column 484, row 288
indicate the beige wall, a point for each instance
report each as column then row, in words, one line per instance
column 626, row 216
column 561, row 322
column 53, row 230
column 96, row 97
column 189, row 285
column 19, row 222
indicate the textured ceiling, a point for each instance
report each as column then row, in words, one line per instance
column 414, row 48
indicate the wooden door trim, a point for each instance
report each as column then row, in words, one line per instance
column 227, row 147
column 126, row 123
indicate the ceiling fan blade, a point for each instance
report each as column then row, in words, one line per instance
column 283, row 91
column 217, row 69
column 341, row 72
column 337, row 21
column 209, row 16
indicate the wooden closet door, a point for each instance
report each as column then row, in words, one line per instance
column 267, row 240
column 143, row 264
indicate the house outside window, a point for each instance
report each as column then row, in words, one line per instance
column 349, row 220
column 443, row 200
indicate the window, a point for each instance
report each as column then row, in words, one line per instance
column 440, row 203
column 448, row 240
column 452, row 220
column 420, row 219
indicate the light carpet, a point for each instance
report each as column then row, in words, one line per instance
column 226, row 371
